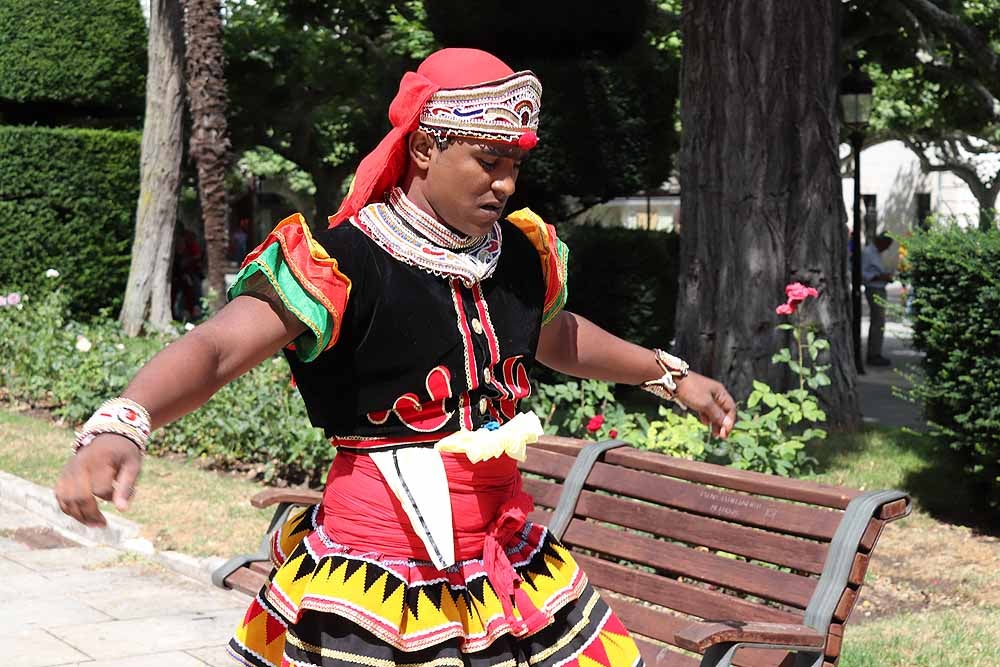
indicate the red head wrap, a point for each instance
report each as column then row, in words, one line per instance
column 383, row 167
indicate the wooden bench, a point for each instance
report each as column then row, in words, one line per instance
column 736, row 567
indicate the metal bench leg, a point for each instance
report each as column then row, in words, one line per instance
column 262, row 554
column 721, row 655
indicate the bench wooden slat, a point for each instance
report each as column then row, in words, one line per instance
column 739, row 508
column 246, row 581
column 699, row 637
column 845, row 606
column 895, row 510
column 683, row 561
column 756, row 657
column 859, row 568
column 682, row 597
column 752, row 543
column 269, row 497
column 547, row 463
column 647, row 621
column 655, row 655
column 871, row 535
column 834, row 640
column 741, row 480
column 663, row 627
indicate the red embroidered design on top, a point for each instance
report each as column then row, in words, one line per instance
column 424, row 417
column 471, row 370
column 515, row 378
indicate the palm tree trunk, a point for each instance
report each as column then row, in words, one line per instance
column 207, row 100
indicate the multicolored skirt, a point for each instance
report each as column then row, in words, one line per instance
column 330, row 605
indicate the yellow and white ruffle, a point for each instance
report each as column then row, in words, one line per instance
column 511, row 438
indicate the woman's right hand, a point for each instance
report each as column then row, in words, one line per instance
column 107, row 468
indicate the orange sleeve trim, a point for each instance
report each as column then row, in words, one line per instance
column 553, row 255
column 317, row 272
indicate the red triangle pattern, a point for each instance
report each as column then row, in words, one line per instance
column 614, row 626
column 274, row 629
column 253, row 611
column 595, row 651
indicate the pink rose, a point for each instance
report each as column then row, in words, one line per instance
column 785, row 308
column 797, row 292
column 595, row 423
column 613, row 433
column 13, row 299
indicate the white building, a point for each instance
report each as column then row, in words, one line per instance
column 658, row 210
column 897, row 195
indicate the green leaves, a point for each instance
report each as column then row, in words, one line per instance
column 89, row 54
column 956, row 314
column 67, row 201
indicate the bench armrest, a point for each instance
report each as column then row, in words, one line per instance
column 269, row 497
column 699, row 637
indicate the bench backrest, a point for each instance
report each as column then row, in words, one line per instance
column 676, row 541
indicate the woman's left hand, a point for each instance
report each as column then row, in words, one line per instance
column 710, row 401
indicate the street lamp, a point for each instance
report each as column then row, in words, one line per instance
column 856, row 109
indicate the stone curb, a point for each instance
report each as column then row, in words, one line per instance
column 119, row 534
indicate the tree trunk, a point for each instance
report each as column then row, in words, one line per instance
column 761, row 193
column 148, row 288
column 988, row 206
column 206, row 86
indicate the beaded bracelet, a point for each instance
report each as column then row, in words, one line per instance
column 121, row 416
column 673, row 369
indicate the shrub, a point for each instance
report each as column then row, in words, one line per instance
column 624, row 280
column 258, row 420
column 956, row 314
column 67, row 201
column 585, row 409
column 81, row 53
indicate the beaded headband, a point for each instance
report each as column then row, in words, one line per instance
column 505, row 110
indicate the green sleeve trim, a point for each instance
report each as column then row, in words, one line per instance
column 560, row 301
column 299, row 302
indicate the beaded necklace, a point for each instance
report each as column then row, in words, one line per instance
column 394, row 226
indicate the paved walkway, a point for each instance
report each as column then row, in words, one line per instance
column 99, row 607
column 878, row 386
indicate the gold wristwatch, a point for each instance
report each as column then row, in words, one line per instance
column 674, row 369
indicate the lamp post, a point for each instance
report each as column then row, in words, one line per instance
column 856, row 107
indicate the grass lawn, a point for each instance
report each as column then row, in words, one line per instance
column 932, row 596
column 179, row 505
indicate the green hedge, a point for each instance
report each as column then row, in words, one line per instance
column 67, row 201
column 956, row 306
column 89, row 53
column 624, row 280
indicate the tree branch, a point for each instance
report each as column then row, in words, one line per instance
column 990, row 103
column 951, row 163
column 975, row 44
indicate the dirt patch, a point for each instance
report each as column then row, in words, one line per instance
column 921, row 565
column 38, row 538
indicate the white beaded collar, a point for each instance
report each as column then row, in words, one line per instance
column 412, row 236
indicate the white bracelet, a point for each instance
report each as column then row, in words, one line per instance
column 673, row 369
column 121, row 416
